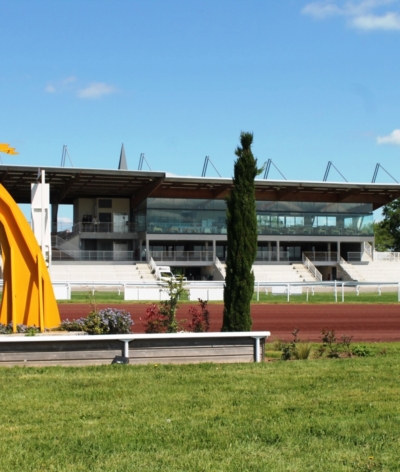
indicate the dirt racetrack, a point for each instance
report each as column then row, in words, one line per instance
column 363, row 322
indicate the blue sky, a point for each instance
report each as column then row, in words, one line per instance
column 178, row 80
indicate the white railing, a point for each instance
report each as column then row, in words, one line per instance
column 220, row 267
column 99, row 227
column 321, row 256
column 81, row 255
column 183, row 256
column 368, row 250
column 354, row 256
column 152, row 265
column 311, row 268
column 211, row 286
column 387, row 256
column 267, row 256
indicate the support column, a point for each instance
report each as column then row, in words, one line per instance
column 338, row 251
column 54, row 216
column 147, row 249
column 278, row 251
column 214, row 243
column 269, row 250
column 329, row 252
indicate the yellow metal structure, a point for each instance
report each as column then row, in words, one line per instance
column 7, row 149
column 28, row 296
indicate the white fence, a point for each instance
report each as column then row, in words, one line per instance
column 213, row 291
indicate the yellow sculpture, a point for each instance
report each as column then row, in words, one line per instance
column 7, row 149
column 28, row 296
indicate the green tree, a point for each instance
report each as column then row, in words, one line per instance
column 384, row 241
column 242, row 240
column 387, row 231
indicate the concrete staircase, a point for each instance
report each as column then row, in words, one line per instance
column 144, row 273
column 374, row 271
column 73, row 272
column 282, row 273
column 304, row 273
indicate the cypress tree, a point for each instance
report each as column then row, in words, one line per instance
column 241, row 223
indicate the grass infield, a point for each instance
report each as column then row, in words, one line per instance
column 318, row 415
column 318, row 298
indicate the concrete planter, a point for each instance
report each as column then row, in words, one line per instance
column 179, row 348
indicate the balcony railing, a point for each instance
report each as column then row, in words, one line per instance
column 183, row 256
column 320, row 256
column 80, row 255
column 97, row 228
column 272, row 256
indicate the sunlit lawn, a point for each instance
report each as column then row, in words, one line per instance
column 350, row 296
column 321, row 415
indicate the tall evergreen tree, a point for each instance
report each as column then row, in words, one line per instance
column 242, row 240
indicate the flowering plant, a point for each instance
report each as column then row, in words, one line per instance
column 107, row 321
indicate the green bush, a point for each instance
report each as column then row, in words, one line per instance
column 107, row 321
column 361, row 350
column 302, row 351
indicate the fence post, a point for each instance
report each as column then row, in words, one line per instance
column 258, row 291
column 398, row 292
column 335, row 291
column 342, row 292
column 288, row 292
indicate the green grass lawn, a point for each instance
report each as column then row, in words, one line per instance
column 320, row 415
column 317, row 298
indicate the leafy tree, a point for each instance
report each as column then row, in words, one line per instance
column 387, row 231
column 384, row 241
column 242, row 240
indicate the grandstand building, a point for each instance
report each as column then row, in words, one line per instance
column 127, row 217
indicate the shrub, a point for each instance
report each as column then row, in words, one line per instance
column 5, row 329
column 302, row 351
column 21, row 328
column 74, row 325
column 200, row 319
column 107, row 321
column 361, row 351
column 328, row 346
column 154, row 321
column 289, row 350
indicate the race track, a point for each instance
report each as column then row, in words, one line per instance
column 363, row 322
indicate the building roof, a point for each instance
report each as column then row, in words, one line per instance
column 68, row 184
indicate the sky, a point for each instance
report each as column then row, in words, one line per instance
column 179, row 80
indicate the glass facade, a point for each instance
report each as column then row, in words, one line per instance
column 186, row 216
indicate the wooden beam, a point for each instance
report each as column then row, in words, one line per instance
column 66, row 187
column 146, row 191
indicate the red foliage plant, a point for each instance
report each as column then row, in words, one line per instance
column 200, row 319
column 154, row 321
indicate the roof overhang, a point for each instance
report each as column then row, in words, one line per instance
column 68, row 184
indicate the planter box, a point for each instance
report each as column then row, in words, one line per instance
column 179, row 348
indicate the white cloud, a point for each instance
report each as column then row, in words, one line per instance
column 392, row 138
column 363, row 14
column 61, row 85
column 96, row 90
column 50, row 89
column 390, row 21
column 69, row 80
